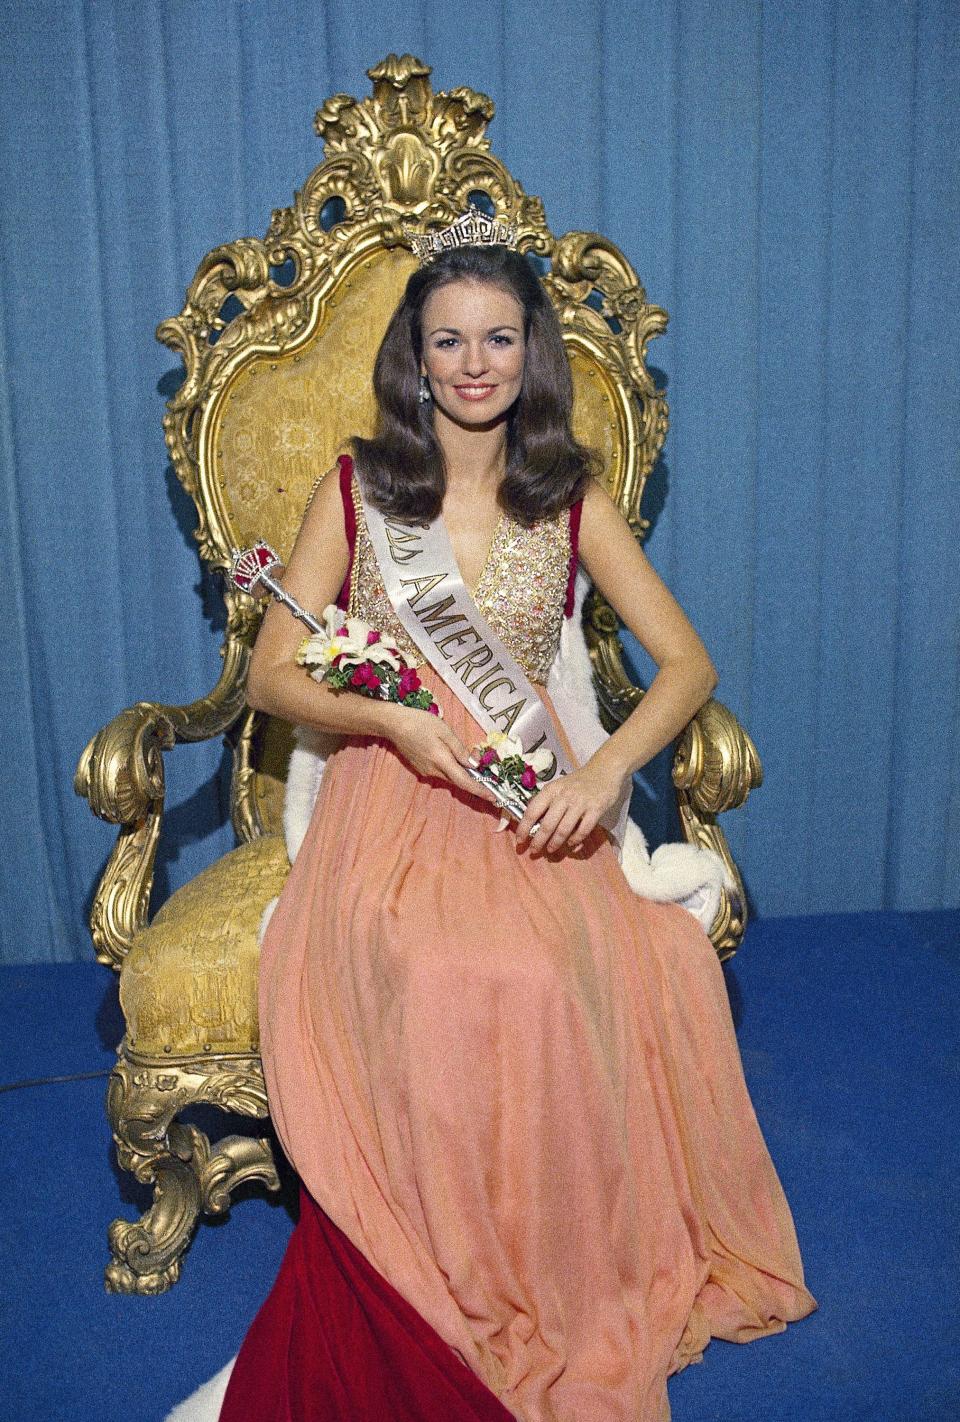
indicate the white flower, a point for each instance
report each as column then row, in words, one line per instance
column 319, row 650
column 503, row 744
column 384, row 653
column 346, row 638
column 355, row 637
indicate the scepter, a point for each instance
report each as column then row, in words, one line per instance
column 252, row 568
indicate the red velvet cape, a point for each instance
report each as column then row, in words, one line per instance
column 335, row 1342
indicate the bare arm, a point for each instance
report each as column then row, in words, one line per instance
column 278, row 686
column 570, row 807
column 314, row 575
column 686, row 676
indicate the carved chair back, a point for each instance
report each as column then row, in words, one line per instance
column 279, row 337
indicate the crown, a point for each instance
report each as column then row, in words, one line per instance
column 472, row 228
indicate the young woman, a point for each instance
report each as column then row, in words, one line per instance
column 533, row 1183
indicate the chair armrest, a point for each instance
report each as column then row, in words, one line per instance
column 120, row 774
column 715, row 766
column 716, row 762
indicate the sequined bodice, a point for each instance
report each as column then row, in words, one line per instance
column 521, row 592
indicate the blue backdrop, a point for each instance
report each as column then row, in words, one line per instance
column 784, row 179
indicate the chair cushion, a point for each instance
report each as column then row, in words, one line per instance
column 189, row 982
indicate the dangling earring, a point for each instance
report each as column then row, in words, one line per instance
column 424, row 393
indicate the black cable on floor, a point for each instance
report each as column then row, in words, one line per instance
column 48, row 1080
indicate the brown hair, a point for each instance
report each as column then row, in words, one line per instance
column 402, row 467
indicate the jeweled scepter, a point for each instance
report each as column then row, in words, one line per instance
column 251, row 567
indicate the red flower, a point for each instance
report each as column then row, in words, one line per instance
column 488, row 756
column 372, row 636
column 408, row 681
column 434, row 708
column 529, row 778
column 364, row 675
column 342, row 631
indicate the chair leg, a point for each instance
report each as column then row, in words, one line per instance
column 188, row 1177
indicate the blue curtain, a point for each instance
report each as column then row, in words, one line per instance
column 784, row 179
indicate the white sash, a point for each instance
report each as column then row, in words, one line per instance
column 679, row 873
column 434, row 605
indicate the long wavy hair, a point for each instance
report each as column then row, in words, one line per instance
column 402, row 467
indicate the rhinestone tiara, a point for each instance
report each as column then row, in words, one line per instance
column 472, row 228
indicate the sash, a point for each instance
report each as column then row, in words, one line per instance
column 432, row 601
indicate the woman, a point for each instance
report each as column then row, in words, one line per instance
column 533, row 1184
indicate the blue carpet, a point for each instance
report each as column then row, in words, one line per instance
column 848, row 1031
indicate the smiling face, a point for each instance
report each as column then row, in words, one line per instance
column 473, row 350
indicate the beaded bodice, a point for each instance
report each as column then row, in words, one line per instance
column 522, row 589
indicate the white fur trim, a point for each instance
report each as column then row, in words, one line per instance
column 204, row 1405
column 680, row 873
column 570, row 688
column 312, row 748
column 265, row 917
column 676, row 873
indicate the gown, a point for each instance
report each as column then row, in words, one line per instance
column 533, row 1185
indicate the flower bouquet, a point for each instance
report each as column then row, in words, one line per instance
column 513, row 776
column 349, row 654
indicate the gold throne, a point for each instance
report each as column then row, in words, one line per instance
column 278, row 339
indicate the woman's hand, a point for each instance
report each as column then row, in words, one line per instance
column 433, row 749
column 569, row 807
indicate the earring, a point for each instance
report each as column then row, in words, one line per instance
column 424, row 392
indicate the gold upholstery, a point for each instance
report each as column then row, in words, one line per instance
column 284, row 419
column 270, row 755
column 189, row 983
column 278, row 339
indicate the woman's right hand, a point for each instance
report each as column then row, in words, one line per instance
column 432, row 748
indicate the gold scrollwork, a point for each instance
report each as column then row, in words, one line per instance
column 715, row 767
column 120, row 774
column 177, row 1160
column 716, row 763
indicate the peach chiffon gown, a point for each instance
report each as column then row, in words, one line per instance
column 510, row 1081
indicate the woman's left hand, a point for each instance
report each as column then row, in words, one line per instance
column 569, row 807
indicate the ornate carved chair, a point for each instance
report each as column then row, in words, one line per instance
column 278, row 338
